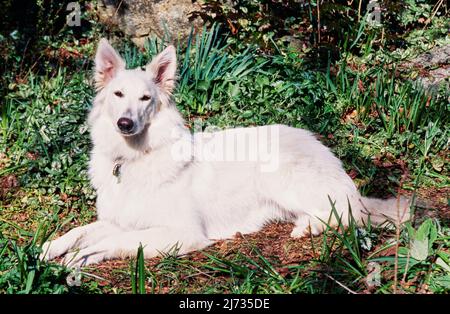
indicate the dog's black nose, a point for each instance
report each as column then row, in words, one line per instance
column 125, row 124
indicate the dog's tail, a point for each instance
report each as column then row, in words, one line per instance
column 396, row 210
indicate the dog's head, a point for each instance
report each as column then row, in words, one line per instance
column 132, row 97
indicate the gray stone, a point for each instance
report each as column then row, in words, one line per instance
column 141, row 19
column 438, row 55
column 436, row 64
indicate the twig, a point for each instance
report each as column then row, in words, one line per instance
column 397, row 242
column 199, row 272
column 94, row 276
column 408, row 257
column 359, row 10
column 318, row 22
column 23, row 56
column 117, row 9
column 341, row 284
column 435, row 10
column 398, row 222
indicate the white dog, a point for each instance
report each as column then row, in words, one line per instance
column 160, row 186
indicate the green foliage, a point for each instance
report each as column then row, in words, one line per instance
column 207, row 67
column 422, row 252
column 45, row 132
column 416, row 10
column 138, row 273
column 267, row 63
column 23, row 272
column 254, row 275
column 342, row 248
column 245, row 274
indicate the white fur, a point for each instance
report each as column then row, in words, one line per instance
column 162, row 200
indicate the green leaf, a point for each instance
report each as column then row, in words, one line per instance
column 30, row 279
column 419, row 249
column 433, row 234
column 411, row 231
column 141, row 269
column 247, row 114
column 262, row 80
column 438, row 164
column 424, row 230
column 443, row 264
column 427, row 231
column 203, row 85
column 403, row 251
column 445, row 256
column 443, row 281
column 234, row 90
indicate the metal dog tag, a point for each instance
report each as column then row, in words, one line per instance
column 116, row 171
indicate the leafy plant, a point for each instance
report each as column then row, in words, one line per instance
column 23, row 272
column 423, row 253
column 138, row 275
column 269, row 62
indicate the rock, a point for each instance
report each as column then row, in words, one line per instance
column 141, row 19
column 436, row 78
column 435, row 66
column 438, row 55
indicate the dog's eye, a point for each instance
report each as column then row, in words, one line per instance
column 118, row 93
column 145, row 98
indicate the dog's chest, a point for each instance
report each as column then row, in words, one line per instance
column 136, row 195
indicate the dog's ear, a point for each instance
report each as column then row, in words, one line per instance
column 107, row 63
column 163, row 68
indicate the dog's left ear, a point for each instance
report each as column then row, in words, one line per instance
column 163, row 69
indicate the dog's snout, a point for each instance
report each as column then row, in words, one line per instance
column 125, row 125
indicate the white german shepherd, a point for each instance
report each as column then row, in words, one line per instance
column 160, row 186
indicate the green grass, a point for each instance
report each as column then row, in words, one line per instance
column 346, row 261
column 364, row 114
column 23, row 272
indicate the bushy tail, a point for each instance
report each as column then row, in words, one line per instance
column 396, row 210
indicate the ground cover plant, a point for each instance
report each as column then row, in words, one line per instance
column 358, row 87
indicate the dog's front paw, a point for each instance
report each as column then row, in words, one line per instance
column 53, row 249
column 88, row 256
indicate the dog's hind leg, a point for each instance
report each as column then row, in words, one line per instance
column 154, row 242
column 79, row 237
column 306, row 225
